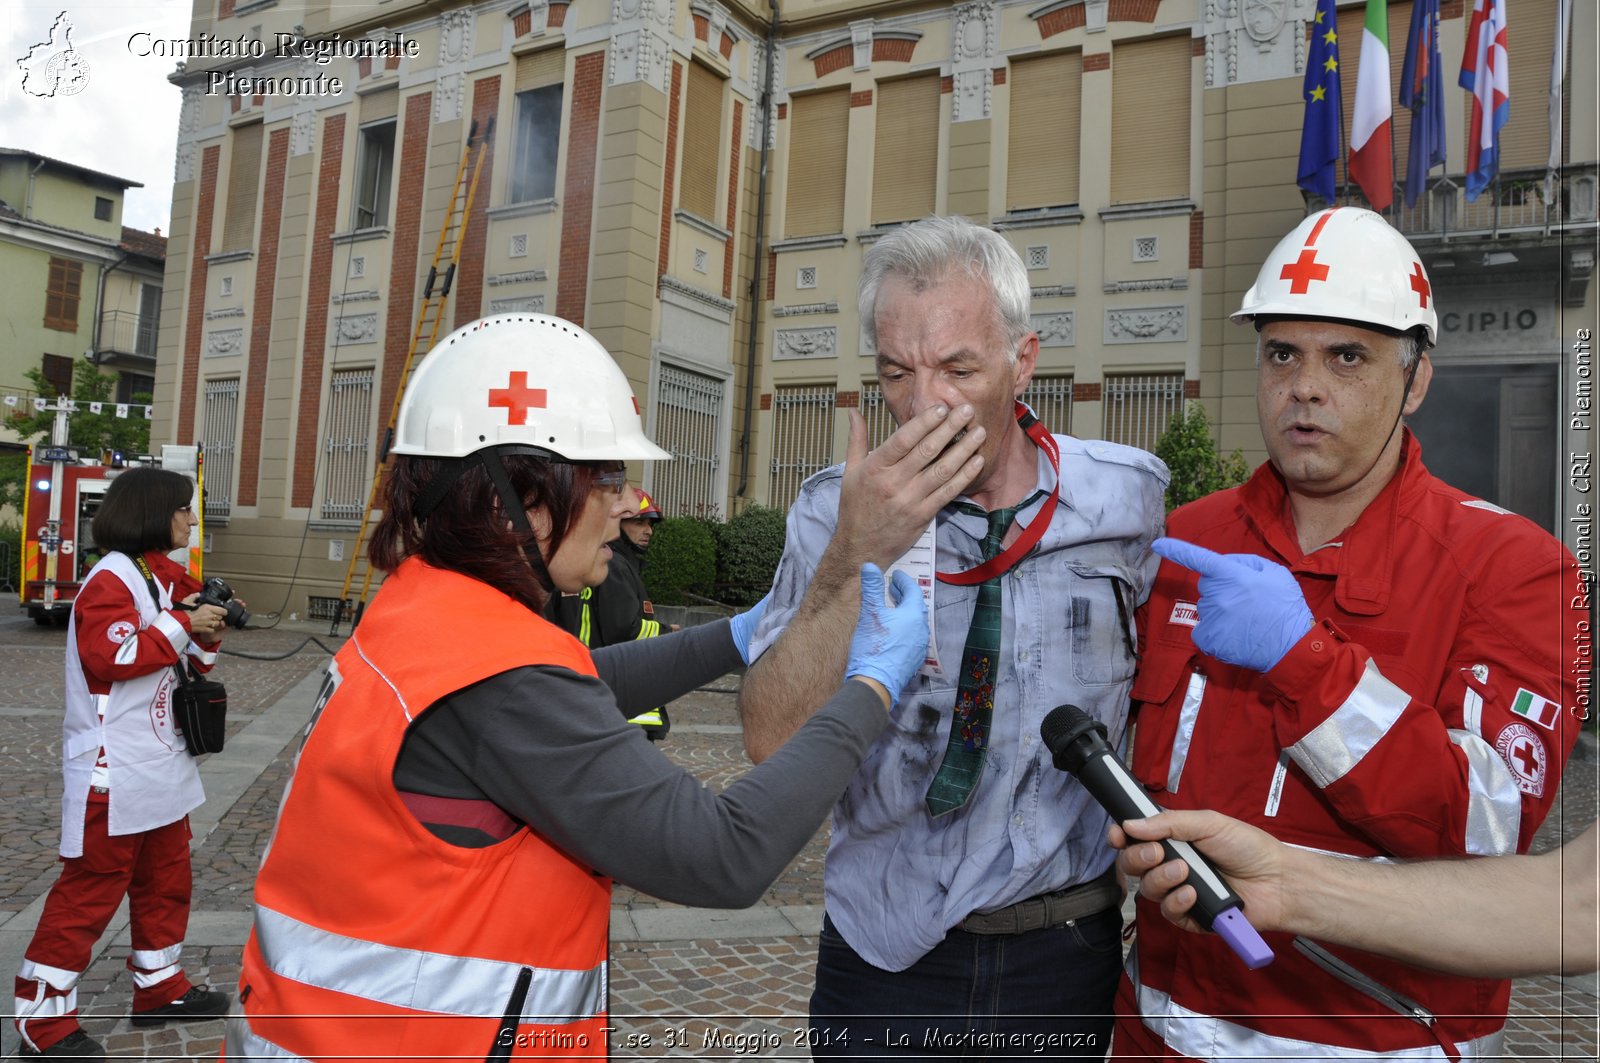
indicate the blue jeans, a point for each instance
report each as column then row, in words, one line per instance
column 1046, row 993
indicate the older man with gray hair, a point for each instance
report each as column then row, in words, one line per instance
column 971, row 903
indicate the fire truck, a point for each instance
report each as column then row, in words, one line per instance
column 65, row 488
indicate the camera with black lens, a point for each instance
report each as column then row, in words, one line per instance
column 217, row 592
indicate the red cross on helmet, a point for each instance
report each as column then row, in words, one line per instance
column 521, row 379
column 1345, row 263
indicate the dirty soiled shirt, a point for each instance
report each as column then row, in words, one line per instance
column 897, row 880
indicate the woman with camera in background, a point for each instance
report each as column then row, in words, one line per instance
column 130, row 783
column 440, row 876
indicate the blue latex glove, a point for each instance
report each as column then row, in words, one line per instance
column 1251, row 610
column 743, row 625
column 891, row 641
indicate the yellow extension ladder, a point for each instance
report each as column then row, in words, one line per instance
column 452, row 234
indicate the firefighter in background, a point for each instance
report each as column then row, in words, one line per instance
column 439, row 881
column 129, row 781
column 619, row 610
column 1351, row 655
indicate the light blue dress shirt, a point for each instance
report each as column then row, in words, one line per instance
column 896, row 879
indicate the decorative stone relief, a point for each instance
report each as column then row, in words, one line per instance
column 1094, row 16
column 188, row 130
column 498, row 279
column 1055, row 330
column 302, row 132
column 526, row 304
column 1147, row 324
column 1254, row 40
column 225, row 341
column 807, row 343
column 829, row 307
column 718, row 25
column 357, row 328
column 758, row 74
column 975, row 54
column 538, row 17
column 973, row 89
column 227, row 311
column 368, row 296
column 861, row 43
column 977, row 32
column 455, row 48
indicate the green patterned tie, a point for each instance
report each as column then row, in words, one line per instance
column 969, row 730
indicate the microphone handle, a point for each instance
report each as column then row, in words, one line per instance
column 1103, row 775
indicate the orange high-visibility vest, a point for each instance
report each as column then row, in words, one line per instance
column 375, row 939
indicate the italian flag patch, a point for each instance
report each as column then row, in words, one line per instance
column 1531, row 706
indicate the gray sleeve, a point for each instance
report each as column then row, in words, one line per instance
column 548, row 746
column 645, row 673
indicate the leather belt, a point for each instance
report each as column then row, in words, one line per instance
column 1048, row 909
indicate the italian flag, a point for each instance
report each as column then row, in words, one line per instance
column 1371, row 162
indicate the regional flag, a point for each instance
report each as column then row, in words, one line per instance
column 1422, row 90
column 1540, row 710
column 1486, row 74
column 1324, row 119
column 1371, row 159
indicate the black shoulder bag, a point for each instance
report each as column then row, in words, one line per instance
column 199, row 705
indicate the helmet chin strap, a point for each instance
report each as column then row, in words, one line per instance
column 489, row 458
column 1411, row 375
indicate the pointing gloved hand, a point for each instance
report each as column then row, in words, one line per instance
column 1252, row 611
column 891, row 641
column 743, row 625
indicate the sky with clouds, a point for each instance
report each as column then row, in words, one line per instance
column 125, row 119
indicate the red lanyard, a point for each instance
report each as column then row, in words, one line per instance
column 1001, row 562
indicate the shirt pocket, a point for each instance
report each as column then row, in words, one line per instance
column 1100, row 605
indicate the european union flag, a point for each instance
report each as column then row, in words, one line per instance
column 1319, row 137
column 1422, row 90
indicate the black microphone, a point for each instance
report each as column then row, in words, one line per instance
column 1077, row 742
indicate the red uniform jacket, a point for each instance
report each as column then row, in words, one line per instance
column 1428, row 713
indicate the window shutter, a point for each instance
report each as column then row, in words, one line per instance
column 380, row 105
column 1150, row 120
column 244, row 173
column 542, row 68
column 1042, row 160
column 905, row 159
column 702, row 143
column 818, row 126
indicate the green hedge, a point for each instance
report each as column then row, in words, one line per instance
column 682, row 559
column 748, row 549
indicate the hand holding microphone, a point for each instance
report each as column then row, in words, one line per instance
column 1077, row 742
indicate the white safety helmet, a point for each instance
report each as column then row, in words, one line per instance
column 524, row 380
column 1349, row 264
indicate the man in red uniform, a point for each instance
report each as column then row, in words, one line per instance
column 1352, row 655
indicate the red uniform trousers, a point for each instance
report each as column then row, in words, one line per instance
column 152, row 870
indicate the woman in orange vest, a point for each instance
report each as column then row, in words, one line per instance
column 439, row 882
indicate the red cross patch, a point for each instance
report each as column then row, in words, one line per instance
column 1302, row 271
column 1420, row 285
column 517, row 397
column 1524, row 753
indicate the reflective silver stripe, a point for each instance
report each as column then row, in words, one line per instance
column 1494, row 804
column 54, row 977
column 150, row 959
column 1207, row 1037
column 1186, row 717
column 1472, row 711
column 1339, row 742
column 1280, row 775
column 424, row 981
column 169, row 626
column 146, row 979
column 243, row 1043
column 361, row 651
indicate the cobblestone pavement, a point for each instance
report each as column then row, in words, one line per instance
column 699, row 994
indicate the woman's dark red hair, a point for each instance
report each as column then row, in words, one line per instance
column 468, row 531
